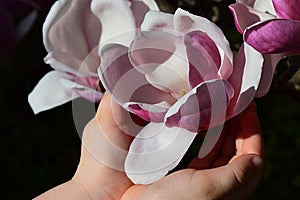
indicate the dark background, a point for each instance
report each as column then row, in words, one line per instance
column 41, row 151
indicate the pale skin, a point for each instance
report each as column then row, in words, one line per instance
column 230, row 171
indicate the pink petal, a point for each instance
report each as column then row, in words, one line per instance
column 185, row 22
column 288, row 9
column 245, row 78
column 149, row 103
column 50, row 92
column 155, row 151
column 204, row 57
column 148, row 112
column 70, row 27
column 117, row 21
column 275, row 36
column 245, row 16
column 203, row 107
column 86, row 87
column 161, row 57
column 123, row 81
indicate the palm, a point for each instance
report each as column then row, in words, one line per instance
column 238, row 139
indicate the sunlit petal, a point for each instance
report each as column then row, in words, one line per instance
column 288, row 9
column 155, row 151
column 245, row 16
column 245, row 78
column 271, row 37
column 50, row 92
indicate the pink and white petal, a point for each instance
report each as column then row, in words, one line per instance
column 270, row 63
column 148, row 112
column 204, row 58
column 201, row 40
column 149, row 103
column 155, row 151
column 185, row 22
column 122, row 28
column 245, row 16
column 156, row 20
column 70, row 64
column 288, row 9
column 86, row 87
column 157, row 53
column 69, row 31
column 123, row 81
column 274, row 36
column 245, row 78
column 50, row 92
column 150, row 49
column 226, row 67
column 172, row 75
column 203, row 107
column 140, row 8
column 260, row 5
column 89, row 94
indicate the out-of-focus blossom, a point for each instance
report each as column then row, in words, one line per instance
column 179, row 75
column 16, row 19
column 71, row 34
column 272, row 27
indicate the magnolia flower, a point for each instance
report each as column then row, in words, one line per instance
column 71, row 34
column 272, row 27
column 179, row 75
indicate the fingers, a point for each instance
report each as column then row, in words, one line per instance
column 207, row 161
column 241, row 135
column 249, row 136
column 102, row 137
column 234, row 181
column 116, row 121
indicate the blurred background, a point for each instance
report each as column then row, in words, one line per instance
column 38, row 152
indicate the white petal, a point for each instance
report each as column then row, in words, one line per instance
column 56, row 64
column 151, row 4
column 157, row 20
column 270, row 63
column 117, row 20
column 58, row 9
column 245, row 78
column 155, row 151
column 50, row 92
column 251, row 76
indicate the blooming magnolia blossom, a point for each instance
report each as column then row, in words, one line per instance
column 272, row 27
column 71, row 34
column 178, row 74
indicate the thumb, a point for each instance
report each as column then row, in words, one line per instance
column 234, row 181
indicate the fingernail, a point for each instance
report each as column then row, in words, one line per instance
column 257, row 161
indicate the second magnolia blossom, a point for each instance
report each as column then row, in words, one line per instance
column 71, row 34
column 272, row 27
column 178, row 74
